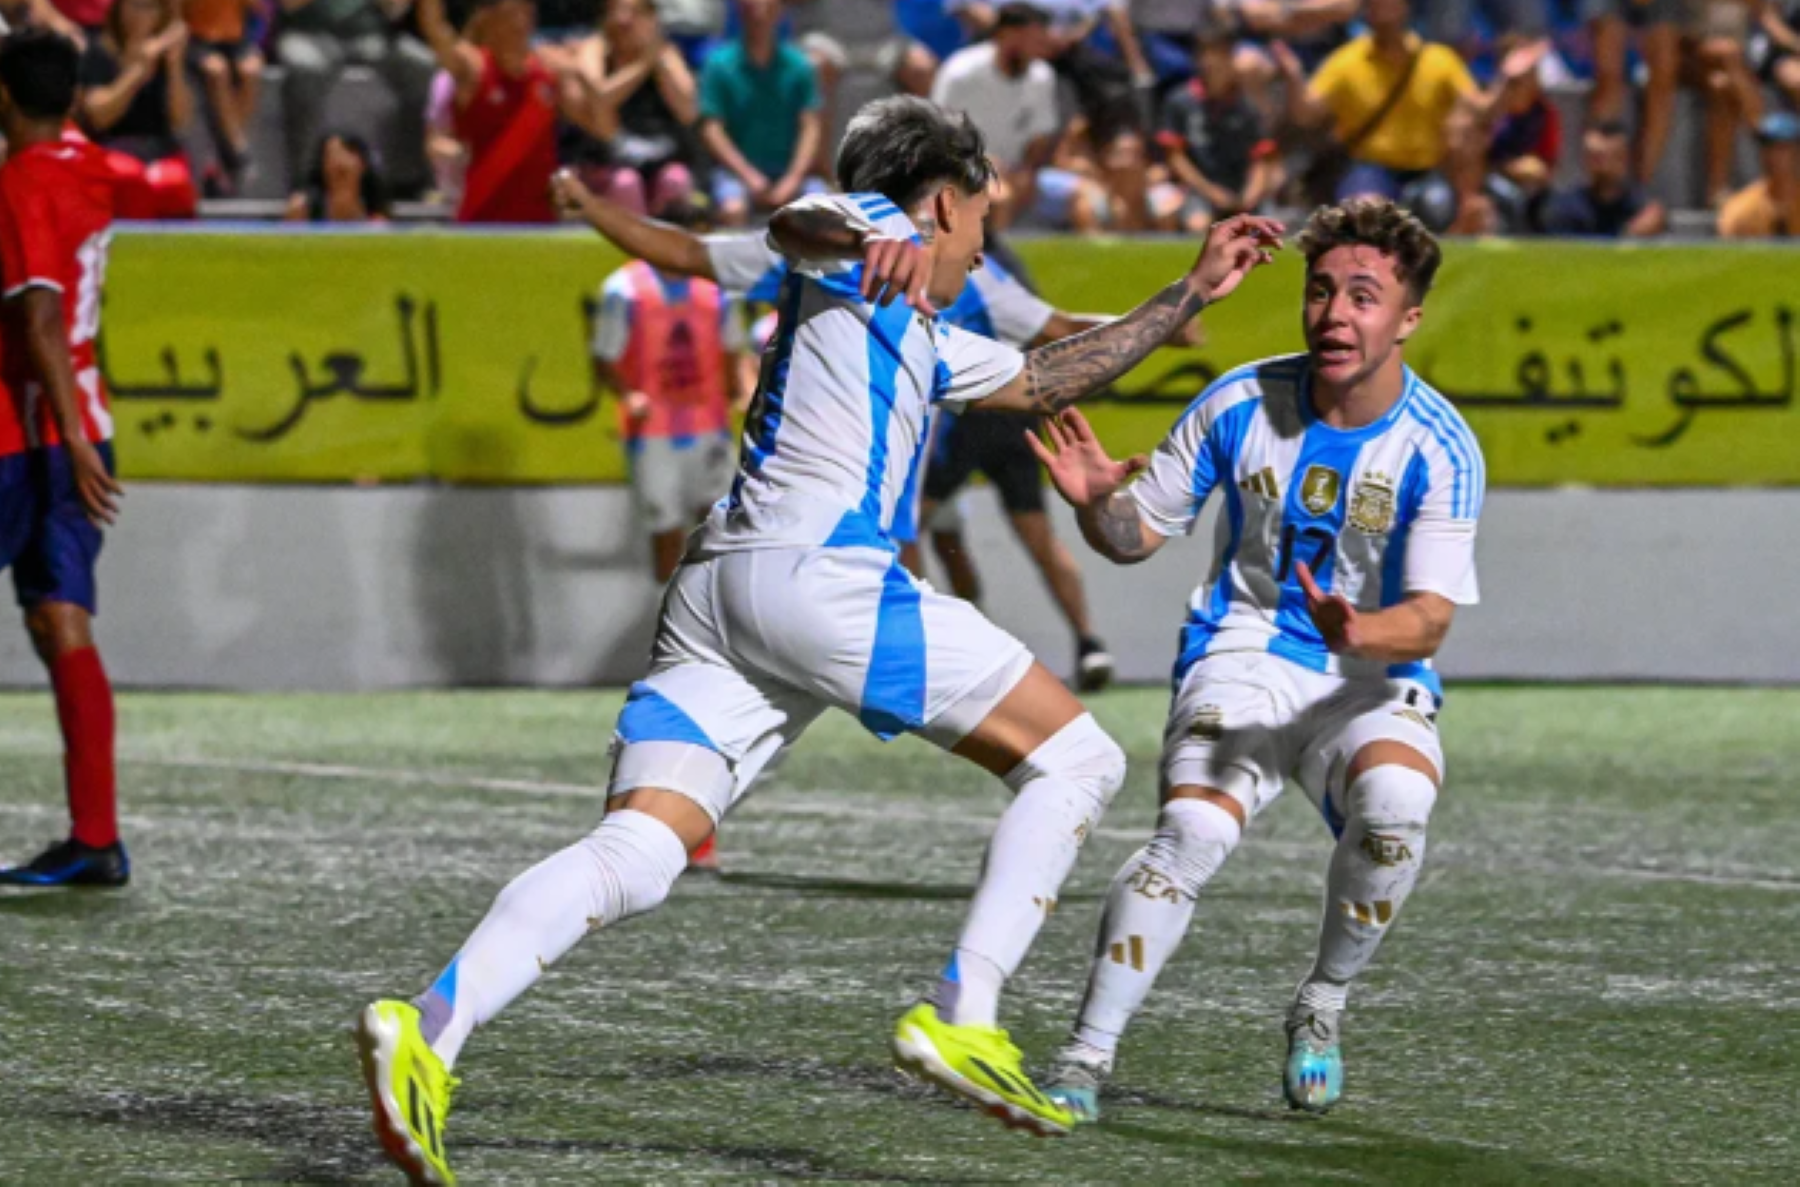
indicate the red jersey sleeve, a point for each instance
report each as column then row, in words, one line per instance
column 28, row 242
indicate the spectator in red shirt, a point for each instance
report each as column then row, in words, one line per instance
column 135, row 100
column 507, row 102
column 56, row 207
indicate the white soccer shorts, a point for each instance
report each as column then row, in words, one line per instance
column 676, row 481
column 753, row 645
column 1243, row 722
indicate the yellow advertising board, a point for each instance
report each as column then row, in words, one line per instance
column 406, row 355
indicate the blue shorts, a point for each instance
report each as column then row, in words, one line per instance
column 57, row 561
column 18, row 506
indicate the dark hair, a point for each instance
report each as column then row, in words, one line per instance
column 1382, row 225
column 901, row 146
column 1610, row 129
column 38, row 69
column 1020, row 16
column 372, row 190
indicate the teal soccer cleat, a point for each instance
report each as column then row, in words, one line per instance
column 1314, row 1077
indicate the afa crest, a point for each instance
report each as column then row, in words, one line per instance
column 1372, row 504
column 1319, row 489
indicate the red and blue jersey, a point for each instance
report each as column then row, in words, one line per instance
column 56, row 211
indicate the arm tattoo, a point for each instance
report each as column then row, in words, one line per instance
column 1063, row 372
column 1114, row 530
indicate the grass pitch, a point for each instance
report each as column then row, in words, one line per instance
column 1595, row 982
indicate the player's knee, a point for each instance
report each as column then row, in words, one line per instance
column 1193, row 839
column 1392, row 801
column 57, row 629
column 636, row 861
column 1080, row 753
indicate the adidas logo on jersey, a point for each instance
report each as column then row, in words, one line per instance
column 1262, row 483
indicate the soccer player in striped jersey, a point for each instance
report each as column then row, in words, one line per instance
column 993, row 304
column 791, row 601
column 1346, row 540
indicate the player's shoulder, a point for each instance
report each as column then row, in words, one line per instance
column 1248, row 385
column 622, row 283
column 880, row 212
column 1433, row 418
column 1446, row 446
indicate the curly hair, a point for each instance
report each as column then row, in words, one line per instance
column 1382, row 225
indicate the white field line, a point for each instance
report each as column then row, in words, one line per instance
column 762, row 804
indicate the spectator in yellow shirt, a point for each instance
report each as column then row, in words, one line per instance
column 1389, row 97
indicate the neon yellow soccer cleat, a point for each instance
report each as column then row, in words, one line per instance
column 979, row 1064
column 410, row 1089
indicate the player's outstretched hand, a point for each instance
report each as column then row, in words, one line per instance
column 1234, row 248
column 1332, row 613
column 896, row 269
column 1079, row 467
column 99, row 490
column 570, row 195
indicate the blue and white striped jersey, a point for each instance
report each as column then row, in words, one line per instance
column 1377, row 512
column 837, row 423
column 993, row 304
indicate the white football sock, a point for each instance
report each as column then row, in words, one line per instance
column 1063, row 789
column 1147, row 913
column 1373, row 869
column 623, row 868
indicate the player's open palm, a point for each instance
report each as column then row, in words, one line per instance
column 1332, row 613
column 1079, row 466
column 1234, row 248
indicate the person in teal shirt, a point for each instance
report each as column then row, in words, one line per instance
column 760, row 116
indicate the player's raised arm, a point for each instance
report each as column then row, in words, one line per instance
column 659, row 244
column 459, row 58
column 1094, row 484
column 1058, row 375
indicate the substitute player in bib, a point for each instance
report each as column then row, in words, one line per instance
column 790, row 601
column 669, row 347
column 1345, row 544
column 56, row 203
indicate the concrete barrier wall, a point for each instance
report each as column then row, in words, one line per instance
column 345, row 588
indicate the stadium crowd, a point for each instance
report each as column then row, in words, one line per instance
column 1104, row 115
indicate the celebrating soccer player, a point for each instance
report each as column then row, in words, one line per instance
column 56, row 203
column 1347, row 540
column 993, row 304
column 790, row 601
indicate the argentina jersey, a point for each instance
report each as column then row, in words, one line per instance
column 993, row 304
column 837, row 423
column 1377, row 512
